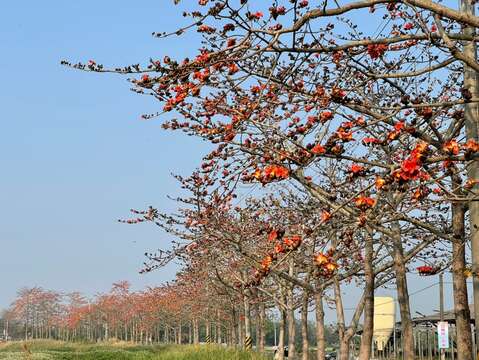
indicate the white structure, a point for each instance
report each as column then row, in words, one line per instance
column 384, row 319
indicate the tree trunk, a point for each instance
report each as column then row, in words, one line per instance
column 407, row 339
column 291, row 320
column 282, row 331
column 257, row 327
column 471, row 115
column 196, row 332
column 344, row 348
column 262, row 317
column 234, row 327
column 180, row 334
column 190, row 338
column 241, row 334
column 461, row 303
column 320, row 340
column 106, row 331
column 343, row 339
column 368, row 322
column 304, row 326
column 218, row 327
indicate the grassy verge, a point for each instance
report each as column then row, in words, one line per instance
column 53, row 350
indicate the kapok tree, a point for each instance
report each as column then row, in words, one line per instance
column 285, row 93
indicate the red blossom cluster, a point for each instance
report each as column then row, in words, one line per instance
column 255, row 16
column 427, row 270
column 375, row 51
column 357, row 170
column 282, row 245
column 276, row 11
column 410, row 169
column 303, row 3
column 364, row 202
column 206, row 29
column 268, row 174
column 408, row 26
column 325, row 263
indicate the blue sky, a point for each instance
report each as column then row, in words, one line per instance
column 75, row 155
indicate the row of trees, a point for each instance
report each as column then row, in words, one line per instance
column 357, row 142
column 157, row 315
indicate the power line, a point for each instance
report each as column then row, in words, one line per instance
column 395, row 299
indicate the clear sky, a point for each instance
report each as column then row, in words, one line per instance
column 75, row 155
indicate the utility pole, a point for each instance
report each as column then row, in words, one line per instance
column 441, row 307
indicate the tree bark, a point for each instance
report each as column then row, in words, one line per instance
column 241, row 333
column 262, row 317
column 180, row 333
column 234, row 327
column 290, row 314
column 320, row 339
column 407, row 338
column 471, row 115
column 218, row 327
column 343, row 339
column 282, row 331
column 461, row 302
column 304, row 326
column 368, row 323
column 196, row 332
column 257, row 327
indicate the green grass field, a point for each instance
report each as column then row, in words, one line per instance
column 52, row 350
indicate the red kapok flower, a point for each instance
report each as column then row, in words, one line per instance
column 266, row 263
column 470, row 183
column 344, row 135
column 276, row 172
column 426, row 270
column 303, row 3
column 364, row 202
column 325, row 216
column 356, row 169
column 375, row 51
column 320, row 259
column 279, row 249
column 410, row 167
column 380, row 182
column 318, row 149
column 399, row 125
column 292, row 243
column 370, row 140
column 273, row 235
column 257, row 15
column 451, row 147
column 471, row 146
column 331, row 266
column 325, row 116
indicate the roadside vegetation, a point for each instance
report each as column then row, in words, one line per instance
column 46, row 350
